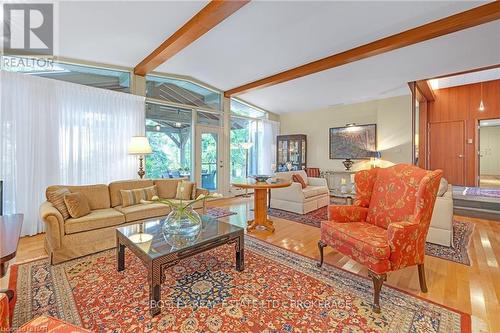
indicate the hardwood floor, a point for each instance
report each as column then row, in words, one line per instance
column 472, row 289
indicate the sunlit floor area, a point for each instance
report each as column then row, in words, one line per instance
column 473, row 289
column 489, row 181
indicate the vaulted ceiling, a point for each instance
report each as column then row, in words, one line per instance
column 267, row 37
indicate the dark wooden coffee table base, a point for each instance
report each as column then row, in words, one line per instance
column 157, row 266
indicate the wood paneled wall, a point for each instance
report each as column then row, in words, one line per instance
column 461, row 104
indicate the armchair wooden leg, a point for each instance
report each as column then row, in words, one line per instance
column 321, row 246
column 421, row 278
column 378, row 280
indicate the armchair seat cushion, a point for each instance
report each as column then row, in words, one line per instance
column 312, row 191
column 96, row 219
column 361, row 236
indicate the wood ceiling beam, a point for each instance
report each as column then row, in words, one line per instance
column 211, row 15
column 426, row 90
column 464, row 20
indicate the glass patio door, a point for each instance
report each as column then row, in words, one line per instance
column 208, row 159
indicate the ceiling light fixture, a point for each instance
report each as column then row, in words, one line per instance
column 481, row 104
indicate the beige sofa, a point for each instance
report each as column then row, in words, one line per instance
column 441, row 227
column 297, row 199
column 76, row 237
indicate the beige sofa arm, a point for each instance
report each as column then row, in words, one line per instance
column 54, row 224
column 291, row 193
column 200, row 191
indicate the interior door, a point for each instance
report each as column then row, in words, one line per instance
column 447, row 150
column 208, row 159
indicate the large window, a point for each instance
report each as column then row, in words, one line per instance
column 86, row 75
column 169, row 133
column 182, row 92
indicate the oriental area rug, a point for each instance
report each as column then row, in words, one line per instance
column 279, row 291
column 458, row 252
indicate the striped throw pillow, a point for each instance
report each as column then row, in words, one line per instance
column 56, row 198
column 134, row 197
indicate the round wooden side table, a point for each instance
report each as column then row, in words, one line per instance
column 260, row 202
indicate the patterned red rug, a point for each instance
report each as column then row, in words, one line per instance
column 279, row 291
column 462, row 232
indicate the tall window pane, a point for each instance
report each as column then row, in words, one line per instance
column 182, row 92
column 169, row 133
column 243, row 148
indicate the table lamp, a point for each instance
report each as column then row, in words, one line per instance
column 139, row 145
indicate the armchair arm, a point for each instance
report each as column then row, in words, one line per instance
column 316, row 181
column 407, row 243
column 4, row 313
column 291, row 193
column 347, row 213
column 54, row 224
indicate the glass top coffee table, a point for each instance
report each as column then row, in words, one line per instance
column 158, row 251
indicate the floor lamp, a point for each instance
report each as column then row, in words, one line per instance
column 139, row 145
column 246, row 146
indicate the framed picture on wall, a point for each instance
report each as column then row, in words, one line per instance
column 353, row 142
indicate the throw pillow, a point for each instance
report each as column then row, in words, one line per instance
column 184, row 190
column 134, row 197
column 77, row 204
column 298, row 179
column 443, row 187
column 56, row 198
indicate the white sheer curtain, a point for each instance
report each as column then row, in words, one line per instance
column 268, row 130
column 54, row 132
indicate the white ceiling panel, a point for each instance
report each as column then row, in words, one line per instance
column 119, row 32
column 385, row 75
column 267, row 37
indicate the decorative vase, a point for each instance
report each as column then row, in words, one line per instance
column 182, row 226
column 348, row 163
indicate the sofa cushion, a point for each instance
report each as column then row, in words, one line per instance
column 167, row 188
column 115, row 187
column 298, row 179
column 97, row 219
column 312, row 191
column 185, row 190
column 287, row 176
column 97, row 195
column 143, row 211
column 56, row 198
column 134, row 197
column 77, row 204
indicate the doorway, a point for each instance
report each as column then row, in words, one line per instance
column 489, row 153
column 208, row 159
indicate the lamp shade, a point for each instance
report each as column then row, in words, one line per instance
column 139, row 145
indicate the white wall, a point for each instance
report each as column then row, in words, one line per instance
column 490, row 151
column 392, row 116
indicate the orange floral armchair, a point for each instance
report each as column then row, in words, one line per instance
column 386, row 227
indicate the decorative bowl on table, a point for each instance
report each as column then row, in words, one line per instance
column 261, row 178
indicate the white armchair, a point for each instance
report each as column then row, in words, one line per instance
column 441, row 228
column 297, row 199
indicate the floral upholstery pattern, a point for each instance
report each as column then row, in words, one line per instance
column 4, row 313
column 347, row 213
column 390, row 233
column 364, row 181
column 50, row 325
